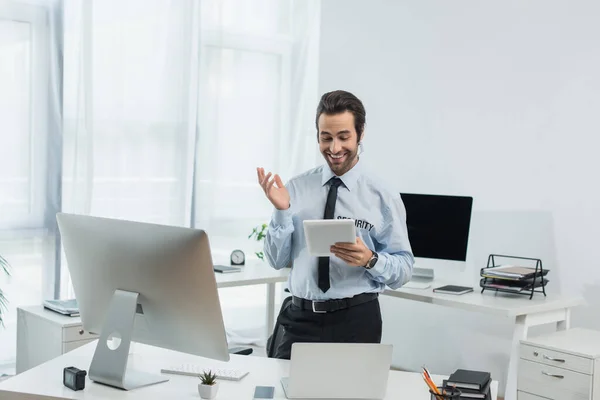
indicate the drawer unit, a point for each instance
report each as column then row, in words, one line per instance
column 562, row 365
column 43, row 335
column 553, row 382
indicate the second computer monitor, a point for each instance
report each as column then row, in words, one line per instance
column 438, row 225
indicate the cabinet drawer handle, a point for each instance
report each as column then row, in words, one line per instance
column 553, row 359
column 553, row 375
column 81, row 331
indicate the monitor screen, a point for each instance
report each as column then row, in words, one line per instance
column 438, row 226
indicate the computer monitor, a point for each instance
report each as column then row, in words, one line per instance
column 438, row 227
column 142, row 282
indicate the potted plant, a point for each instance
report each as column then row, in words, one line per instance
column 259, row 233
column 209, row 386
column 3, row 301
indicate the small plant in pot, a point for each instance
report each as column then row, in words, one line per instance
column 209, row 386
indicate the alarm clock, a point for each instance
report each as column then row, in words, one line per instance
column 238, row 257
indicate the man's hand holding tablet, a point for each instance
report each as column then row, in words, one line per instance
column 355, row 254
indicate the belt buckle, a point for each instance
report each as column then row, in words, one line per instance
column 315, row 310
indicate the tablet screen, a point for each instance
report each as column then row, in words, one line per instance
column 321, row 234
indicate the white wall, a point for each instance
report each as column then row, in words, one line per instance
column 495, row 99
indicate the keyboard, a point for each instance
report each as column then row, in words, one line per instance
column 196, row 370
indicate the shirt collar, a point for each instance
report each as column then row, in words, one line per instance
column 349, row 179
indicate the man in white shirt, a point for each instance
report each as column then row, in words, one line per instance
column 335, row 299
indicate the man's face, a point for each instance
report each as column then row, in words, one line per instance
column 338, row 141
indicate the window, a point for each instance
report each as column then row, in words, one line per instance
column 243, row 113
column 126, row 147
column 244, row 122
column 169, row 108
column 23, row 112
column 24, row 239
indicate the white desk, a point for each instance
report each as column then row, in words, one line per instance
column 256, row 274
column 46, row 379
column 539, row 310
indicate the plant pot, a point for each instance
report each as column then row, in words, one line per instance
column 208, row 391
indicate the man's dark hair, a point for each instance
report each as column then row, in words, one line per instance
column 339, row 101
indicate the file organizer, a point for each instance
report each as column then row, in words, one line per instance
column 539, row 273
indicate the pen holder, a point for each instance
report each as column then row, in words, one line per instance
column 447, row 394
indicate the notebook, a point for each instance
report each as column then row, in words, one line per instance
column 467, row 379
column 485, row 393
column 453, row 289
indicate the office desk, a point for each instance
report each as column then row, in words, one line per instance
column 539, row 310
column 46, row 379
column 256, row 273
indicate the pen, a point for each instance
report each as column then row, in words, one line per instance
column 426, row 372
column 428, row 376
column 431, row 385
column 430, row 379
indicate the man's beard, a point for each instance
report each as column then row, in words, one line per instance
column 340, row 169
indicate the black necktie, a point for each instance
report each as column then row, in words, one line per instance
column 329, row 211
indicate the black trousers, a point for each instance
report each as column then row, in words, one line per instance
column 358, row 324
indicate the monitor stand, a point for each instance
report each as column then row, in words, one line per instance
column 109, row 365
column 422, row 278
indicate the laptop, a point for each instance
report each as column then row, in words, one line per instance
column 338, row 371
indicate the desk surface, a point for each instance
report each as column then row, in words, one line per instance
column 490, row 302
column 255, row 273
column 502, row 304
column 46, row 379
column 252, row 274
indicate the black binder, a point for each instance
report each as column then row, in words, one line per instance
column 468, row 379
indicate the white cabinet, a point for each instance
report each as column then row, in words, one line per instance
column 562, row 365
column 43, row 335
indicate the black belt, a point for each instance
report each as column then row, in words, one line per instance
column 324, row 306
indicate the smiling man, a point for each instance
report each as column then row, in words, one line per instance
column 335, row 299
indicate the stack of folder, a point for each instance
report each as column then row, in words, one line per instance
column 66, row 307
column 511, row 278
column 472, row 384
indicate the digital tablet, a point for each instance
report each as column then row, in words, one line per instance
column 321, row 234
column 224, row 269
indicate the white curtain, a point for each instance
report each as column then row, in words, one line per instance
column 257, row 98
column 30, row 145
column 169, row 107
column 127, row 125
